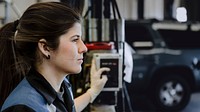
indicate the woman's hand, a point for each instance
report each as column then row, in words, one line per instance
column 98, row 80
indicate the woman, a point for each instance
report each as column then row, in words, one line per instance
column 40, row 50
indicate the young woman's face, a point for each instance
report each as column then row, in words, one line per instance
column 67, row 59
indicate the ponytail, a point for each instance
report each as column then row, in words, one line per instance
column 9, row 72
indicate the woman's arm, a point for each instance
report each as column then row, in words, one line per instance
column 82, row 101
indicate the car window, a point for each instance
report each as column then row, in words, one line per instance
column 138, row 36
column 181, row 39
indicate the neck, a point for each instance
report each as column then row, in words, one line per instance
column 52, row 76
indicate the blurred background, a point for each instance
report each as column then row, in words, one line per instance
column 129, row 9
column 152, row 47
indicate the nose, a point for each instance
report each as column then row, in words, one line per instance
column 82, row 47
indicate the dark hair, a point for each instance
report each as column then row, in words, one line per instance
column 18, row 40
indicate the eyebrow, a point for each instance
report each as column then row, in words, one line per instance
column 78, row 36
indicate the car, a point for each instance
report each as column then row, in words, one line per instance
column 166, row 62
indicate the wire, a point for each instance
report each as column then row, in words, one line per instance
column 117, row 9
column 127, row 97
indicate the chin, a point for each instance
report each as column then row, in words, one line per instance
column 78, row 70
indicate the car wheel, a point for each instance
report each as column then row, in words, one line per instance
column 172, row 93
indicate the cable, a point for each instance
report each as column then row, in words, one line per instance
column 127, row 97
column 117, row 9
column 113, row 8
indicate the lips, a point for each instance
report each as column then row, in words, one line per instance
column 80, row 60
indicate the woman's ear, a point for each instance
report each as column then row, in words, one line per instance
column 44, row 49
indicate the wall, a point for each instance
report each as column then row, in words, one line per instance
column 153, row 9
column 16, row 8
column 128, row 8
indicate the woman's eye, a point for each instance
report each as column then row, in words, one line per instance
column 75, row 40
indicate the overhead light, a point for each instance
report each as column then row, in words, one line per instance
column 181, row 14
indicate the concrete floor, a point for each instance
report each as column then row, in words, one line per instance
column 194, row 104
column 146, row 105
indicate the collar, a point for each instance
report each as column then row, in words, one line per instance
column 38, row 82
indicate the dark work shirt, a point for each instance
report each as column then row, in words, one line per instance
column 43, row 96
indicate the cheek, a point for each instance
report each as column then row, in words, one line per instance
column 69, row 51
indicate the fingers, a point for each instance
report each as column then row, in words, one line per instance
column 93, row 64
column 93, row 67
column 100, row 71
column 104, row 78
column 97, row 73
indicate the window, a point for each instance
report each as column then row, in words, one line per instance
column 138, row 36
column 181, row 39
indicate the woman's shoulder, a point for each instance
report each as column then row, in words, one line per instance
column 24, row 95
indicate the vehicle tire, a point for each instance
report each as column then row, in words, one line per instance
column 172, row 93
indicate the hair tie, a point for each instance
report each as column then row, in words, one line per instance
column 16, row 22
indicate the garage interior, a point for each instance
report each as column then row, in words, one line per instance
column 111, row 29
